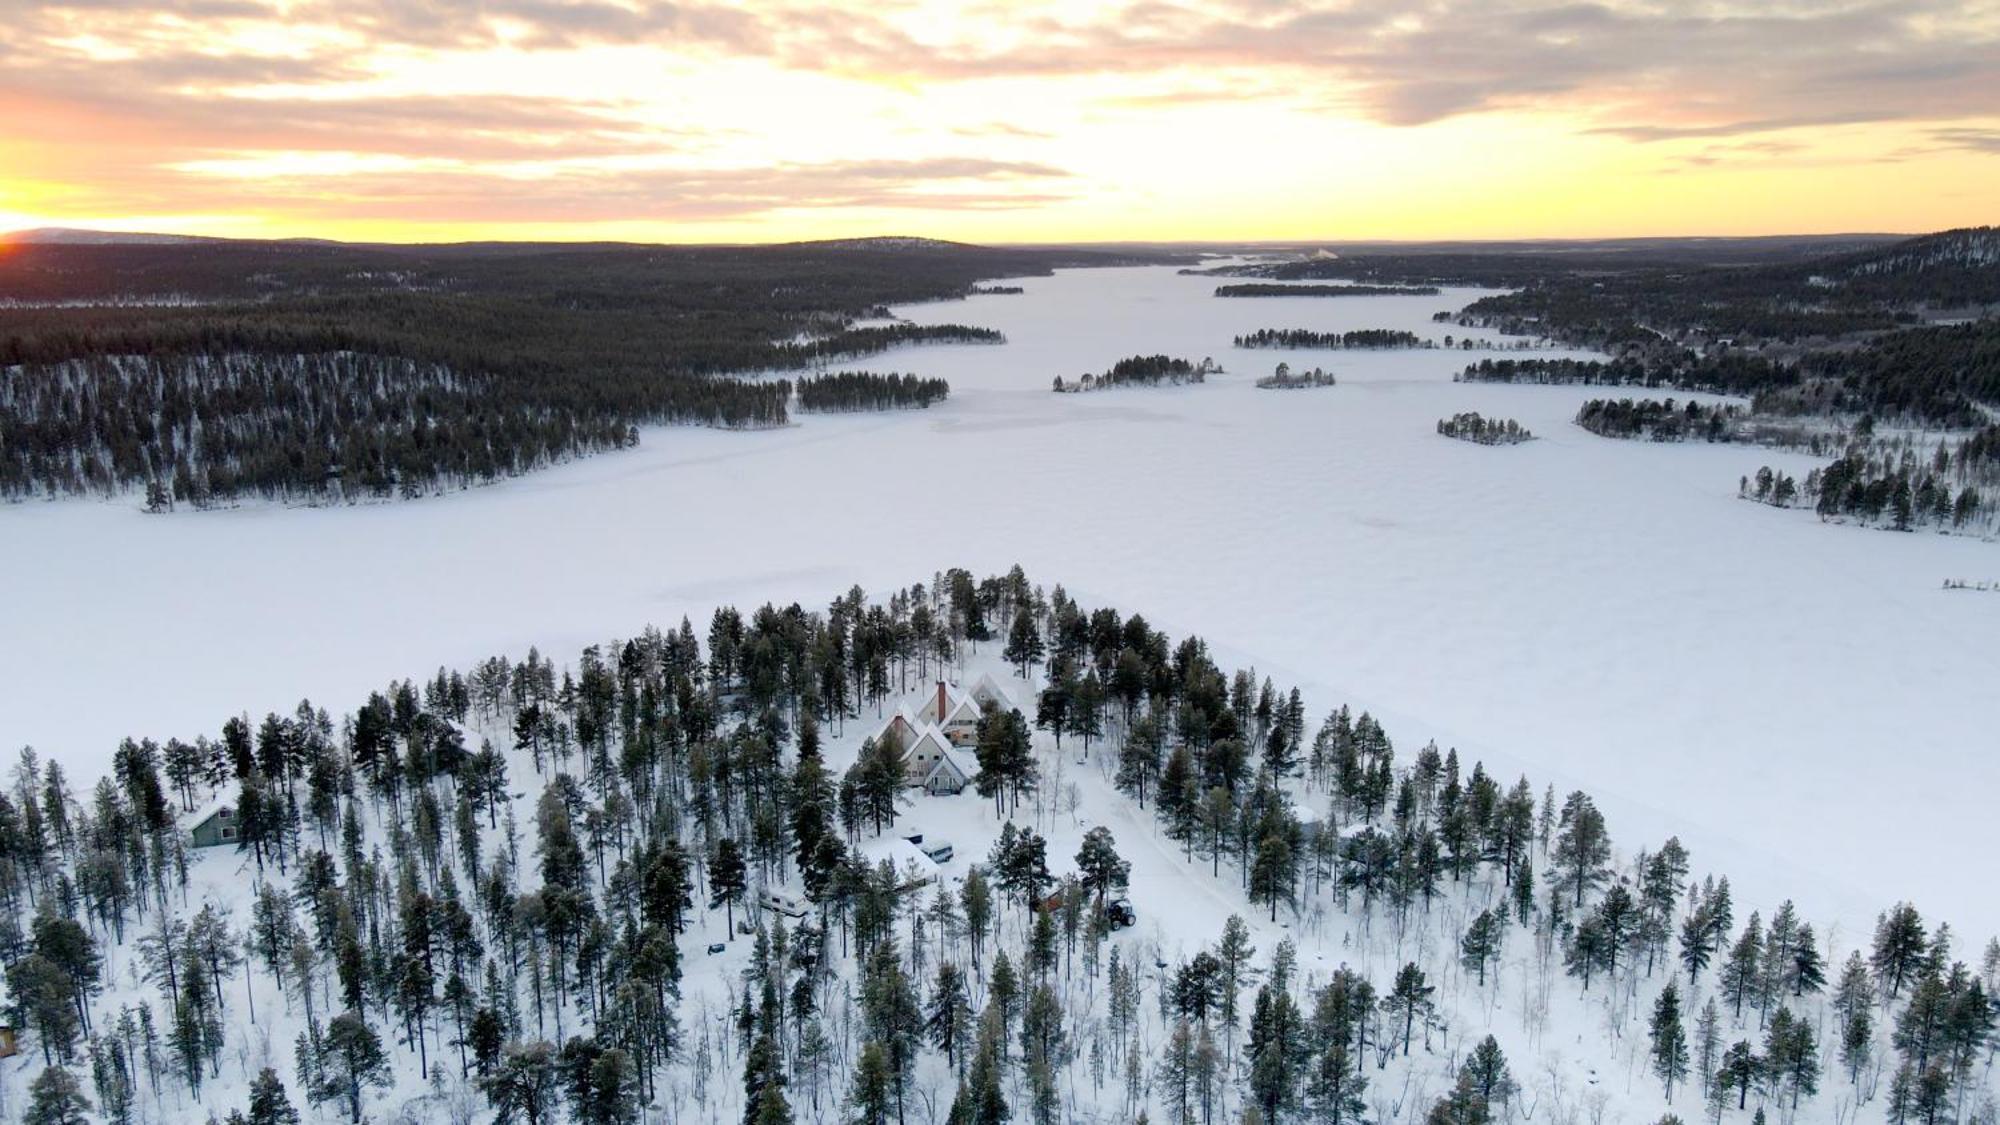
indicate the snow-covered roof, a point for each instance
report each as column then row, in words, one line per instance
column 986, row 687
column 205, row 810
column 929, row 742
column 902, row 716
column 967, row 764
column 913, row 867
column 967, row 711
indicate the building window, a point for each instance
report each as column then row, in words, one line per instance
column 228, row 833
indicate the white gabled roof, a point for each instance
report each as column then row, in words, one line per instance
column 929, row 741
column 966, row 764
column 913, row 867
column 967, row 711
column 987, row 687
column 205, row 810
column 889, row 725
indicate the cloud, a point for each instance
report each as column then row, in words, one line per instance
column 1642, row 71
column 421, row 192
column 1969, row 140
column 144, row 99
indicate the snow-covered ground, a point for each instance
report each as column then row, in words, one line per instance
column 1802, row 704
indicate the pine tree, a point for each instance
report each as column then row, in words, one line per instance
column 949, row 1020
column 1738, row 1071
column 350, row 1060
column 1900, row 946
column 1098, row 864
column 56, row 1098
column 1583, row 847
column 524, row 1084
column 1485, row 1071
column 268, row 1103
column 1791, row 1055
column 1024, row 644
column 1670, row 1048
column 1410, row 999
column 1482, row 944
column 728, row 881
column 1740, row 972
column 1176, row 1075
column 870, row 1097
column 1707, row 1044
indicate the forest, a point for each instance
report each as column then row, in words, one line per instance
column 1822, row 298
column 472, row 895
column 1256, row 290
column 204, row 429
column 1474, row 427
column 482, row 360
column 1298, row 338
column 863, row 390
column 1729, row 374
column 1659, row 420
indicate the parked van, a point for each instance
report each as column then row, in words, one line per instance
column 939, row 851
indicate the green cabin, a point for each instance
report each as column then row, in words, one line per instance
column 214, row 826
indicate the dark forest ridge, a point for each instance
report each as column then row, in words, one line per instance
column 324, row 370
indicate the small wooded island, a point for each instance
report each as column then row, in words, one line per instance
column 1658, row 420
column 1472, row 426
column 1269, row 290
column 1140, row 370
column 1283, row 379
column 1306, row 338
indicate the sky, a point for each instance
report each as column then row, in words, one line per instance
column 1084, row 120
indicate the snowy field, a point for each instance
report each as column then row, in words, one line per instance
column 1801, row 703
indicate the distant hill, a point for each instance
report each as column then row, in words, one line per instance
column 1965, row 248
column 72, row 236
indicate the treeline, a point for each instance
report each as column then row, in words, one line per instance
column 551, row 351
column 1818, row 300
column 1298, row 338
column 1729, row 373
column 1140, row 370
column 863, row 390
column 202, row 429
column 1658, row 420
column 851, row 343
column 1897, row 494
column 1946, row 376
column 1474, row 427
column 1284, row 379
column 1266, row 290
column 395, row 891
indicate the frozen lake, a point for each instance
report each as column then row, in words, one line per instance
column 1802, row 703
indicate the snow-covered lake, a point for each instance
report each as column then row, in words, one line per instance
column 1802, row 703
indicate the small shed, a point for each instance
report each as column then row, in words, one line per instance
column 214, row 825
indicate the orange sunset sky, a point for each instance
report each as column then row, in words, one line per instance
column 1205, row 119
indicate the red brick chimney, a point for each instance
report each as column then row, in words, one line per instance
column 940, row 703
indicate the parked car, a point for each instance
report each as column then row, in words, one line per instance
column 1120, row 914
